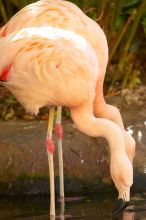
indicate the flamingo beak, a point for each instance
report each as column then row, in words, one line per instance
column 121, row 204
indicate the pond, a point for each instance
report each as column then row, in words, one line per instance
column 85, row 208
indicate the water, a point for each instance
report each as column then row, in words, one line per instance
column 87, row 208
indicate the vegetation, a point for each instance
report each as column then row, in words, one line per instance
column 124, row 22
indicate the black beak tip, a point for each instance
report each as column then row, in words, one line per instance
column 121, row 204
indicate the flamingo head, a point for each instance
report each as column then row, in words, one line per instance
column 122, row 174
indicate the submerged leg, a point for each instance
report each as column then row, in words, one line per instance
column 50, row 152
column 59, row 132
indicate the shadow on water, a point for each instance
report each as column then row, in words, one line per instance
column 88, row 208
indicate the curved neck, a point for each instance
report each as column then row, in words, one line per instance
column 97, row 127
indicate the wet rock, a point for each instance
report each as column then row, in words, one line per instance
column 24, row 165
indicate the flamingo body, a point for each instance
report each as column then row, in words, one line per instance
column 41, row 57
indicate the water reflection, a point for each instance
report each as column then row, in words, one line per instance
column 87, row 209
column 129, row 215
column 62, row 208
column 39, row 209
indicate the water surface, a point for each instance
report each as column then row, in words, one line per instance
column 87, row 208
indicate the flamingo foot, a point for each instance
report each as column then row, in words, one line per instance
column 121, row 204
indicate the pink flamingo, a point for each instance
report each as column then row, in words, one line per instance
column 64, row 16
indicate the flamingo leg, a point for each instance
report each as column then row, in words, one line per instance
column 50, row 152
column 59, row 133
